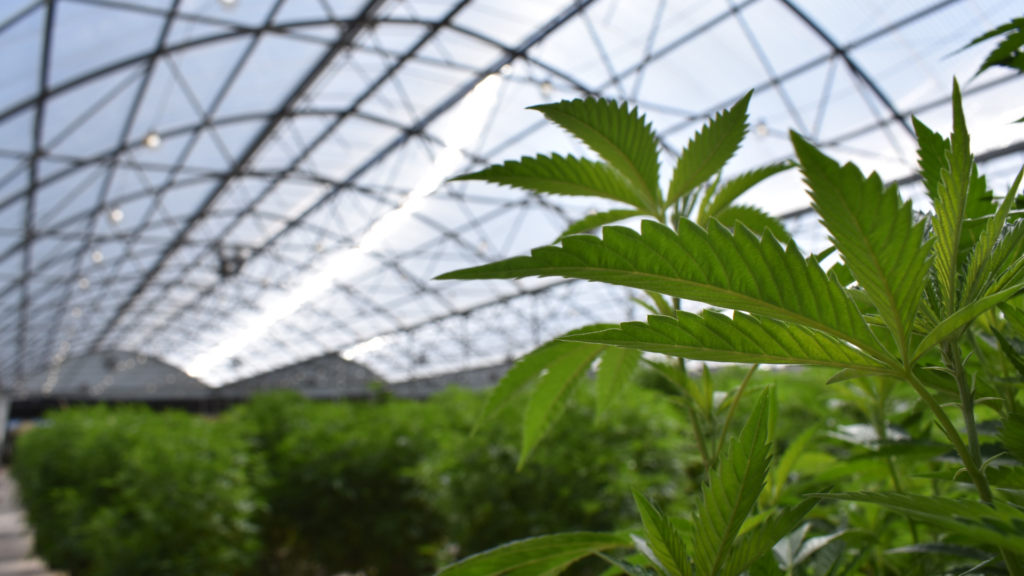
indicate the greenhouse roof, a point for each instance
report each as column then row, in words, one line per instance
column 233, row 186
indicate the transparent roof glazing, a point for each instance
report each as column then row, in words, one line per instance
column 234, row 186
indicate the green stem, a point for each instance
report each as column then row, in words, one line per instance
column 700, row 440
column 693, row 419
column 732, row 410
column 980, row 482
column 953, row 361
column 881, row 395
column 972, row 460
column 1013, row 563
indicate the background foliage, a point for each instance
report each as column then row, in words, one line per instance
column 282, row 485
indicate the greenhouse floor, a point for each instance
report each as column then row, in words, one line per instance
column 16, row 536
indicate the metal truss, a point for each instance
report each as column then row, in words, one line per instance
column 159, row 186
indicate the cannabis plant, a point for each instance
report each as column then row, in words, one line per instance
column 629, row 175
column 930, row 301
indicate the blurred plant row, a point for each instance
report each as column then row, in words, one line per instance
column 282, row 485
column 286, row 486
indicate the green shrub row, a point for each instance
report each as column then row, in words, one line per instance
column 282, row 485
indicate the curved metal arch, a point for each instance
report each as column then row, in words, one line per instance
column 453, row 99
column 853, row 65
column 110, row 156
column 241, row 32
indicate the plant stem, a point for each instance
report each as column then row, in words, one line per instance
column 1013, row 563
column 980, row 482
column 693, row 418
column 952, row 359
column 732, row 410
column 881, row 395
column 700, row 440
column 971, row 457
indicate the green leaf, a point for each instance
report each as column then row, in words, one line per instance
column 941, row 548
column 522, row 373
column 875, row 232
column 994, row 523
column 743, row 338
column 931, row 153
column 661, row 304
column 1008, row 52
column 1014, row 317
column 767, row 565
column 544, row 555
column 595, row 221
column 728, row 193
column 616, row 368
column 812, row 545
column 709, row 150
column 758, row 543
column 847, row 374
column 621, row 566
column 665, row 542
column 552, row 391
column 737, row 271
column 961, row 318
column 1009, row 477
column 1012, row 435
column 1012, row 273
column 951, row 205
column 564, row 175
column 732, row 491
column 619, row 135
column 981, row 266
column 1010, row 353
column 790, row 457
column 937, row 380
column 755, row 219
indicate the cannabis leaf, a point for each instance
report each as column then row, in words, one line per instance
column 931, row 154
column 709, row 149
column 981, row 266
column 729, row 192
column 1011, row 354
column 1009, row 51
column 732, row 491
column 616, row 368
column 875, row 232
column 753, row 218
column 744, row 338
column 553, row 388
column 565, row 175
column 1012, row 435
column 993, row 523
column 759, row 542
column 950, row 206
column 1014, row 317
column 594, row 221
column 619, row 135
column 738, row 271
column 666, row 543
column 541, row 556
column 522, row 373
column 961, row 318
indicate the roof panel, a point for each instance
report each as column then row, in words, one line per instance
column 214, row 206
column 112, row 35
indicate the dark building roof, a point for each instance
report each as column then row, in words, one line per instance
column 113, row 376
column 325, row 377
column 119, row 377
